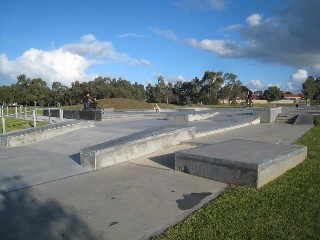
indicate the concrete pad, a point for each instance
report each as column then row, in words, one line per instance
column 240, row 162
column 125, row 201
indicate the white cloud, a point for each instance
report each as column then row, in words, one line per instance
column 134, row 35
column 169, row 34
column 300, row 76
column 254, row 19
column 296, row 80
column 256, row 85
column 176, row 79
column 172, row 79
column 88, row 38
column 66, row 64
column 220, row 47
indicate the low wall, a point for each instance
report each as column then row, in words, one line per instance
column 267, row 115
column 32, row 135
column 185, row 117
column 133, row 146
column 95, row 115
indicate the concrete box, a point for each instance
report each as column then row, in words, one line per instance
column 267, row 115
column 240, row 162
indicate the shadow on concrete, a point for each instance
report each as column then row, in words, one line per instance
column 23, row 215
column 75, row 157
column 166, row 160
column 191, row 200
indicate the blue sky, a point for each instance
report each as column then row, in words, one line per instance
column 263, row 42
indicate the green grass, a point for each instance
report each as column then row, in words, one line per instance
column 14, row 124
column 286, row 208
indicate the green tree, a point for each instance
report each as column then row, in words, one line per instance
column 211, row 83
column 232, row 89
column 6, row 95
column 311, row 89
column 272, row 94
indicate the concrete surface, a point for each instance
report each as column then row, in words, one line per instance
column 240, row 162
column 46, row 194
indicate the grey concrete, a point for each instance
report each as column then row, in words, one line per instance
column 133, row 146
column 46, row 194
column 240, row 162
column 32, row 135
column 187, row 117
column 266, row 114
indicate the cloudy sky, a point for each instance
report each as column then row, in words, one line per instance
column 274, row 42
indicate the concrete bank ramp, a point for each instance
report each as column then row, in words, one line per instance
column 304, row 119
column 31, row 135
column 240, row 162
column 134, row 145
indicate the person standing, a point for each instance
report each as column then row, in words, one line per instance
column 86, row 101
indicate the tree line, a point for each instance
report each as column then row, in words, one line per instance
column 209, row 89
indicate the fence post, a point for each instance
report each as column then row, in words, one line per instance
column 1, row 110
column 61, row 115
column 3, row 125
column 34, row 118
column 7, row 110
column 20, row 109
column 16, row 111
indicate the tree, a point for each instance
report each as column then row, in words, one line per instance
column 272, row 94
column 233, row 88
column 38, row 91
column 311, row 88
column 211, row 83
column 6, row 95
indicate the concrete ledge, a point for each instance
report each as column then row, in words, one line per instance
column 240, row 162
column 31, row 135
column 256, row 120
column 187, row 117
column 132, row 146
column 95, row 115
column 267, row 115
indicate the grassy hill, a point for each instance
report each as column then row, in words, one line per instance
column 124, row 103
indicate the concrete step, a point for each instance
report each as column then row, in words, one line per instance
column 286, row 118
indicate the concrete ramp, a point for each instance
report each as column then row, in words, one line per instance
column 133, row 146
column 32, row 135
column 304, row 119
column 240, row 162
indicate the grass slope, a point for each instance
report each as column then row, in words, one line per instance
column 124, row 103
column 14, row 124
column 286, row 208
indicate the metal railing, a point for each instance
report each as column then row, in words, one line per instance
column 18, row 113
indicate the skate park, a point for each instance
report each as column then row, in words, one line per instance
column 150, row 190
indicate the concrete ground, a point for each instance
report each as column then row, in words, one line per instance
column 46, row 194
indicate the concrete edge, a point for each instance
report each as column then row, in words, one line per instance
column 256, row 120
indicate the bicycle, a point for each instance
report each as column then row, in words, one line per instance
column 95, row 107
column 247, row 104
